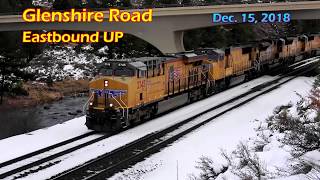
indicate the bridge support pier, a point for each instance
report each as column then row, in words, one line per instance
column 167, row 42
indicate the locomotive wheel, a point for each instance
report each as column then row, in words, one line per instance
column 191, row 99
column 137, row 118
column 154, row 110
column 226, row 83
column 145, row 113
column 116, row 126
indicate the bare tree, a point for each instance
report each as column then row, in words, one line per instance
column 209, row 170
column 250, row 166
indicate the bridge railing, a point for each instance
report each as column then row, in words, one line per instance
column 149, row 6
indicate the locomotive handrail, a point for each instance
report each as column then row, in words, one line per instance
column 122, row 101
column 211, row 73
column 118, row 103
column 84, row 108
column 208, row 81
column 125, row 106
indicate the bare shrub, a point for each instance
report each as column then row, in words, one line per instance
column 262, row 140
column 303, row 107
column 208, row 169
column 302, row 132
column 304, row 135
column 281, row 120
column 303, row 138
column 301, row 167
column 315, row 172
column 249, row 166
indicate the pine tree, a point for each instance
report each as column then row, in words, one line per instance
column 14, row 56
column 62, row 4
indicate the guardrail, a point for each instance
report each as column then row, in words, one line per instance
column 144, row 7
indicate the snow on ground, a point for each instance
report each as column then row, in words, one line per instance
column 49, row 153
column 64, row 131
column 23, row 144
column 224, row 132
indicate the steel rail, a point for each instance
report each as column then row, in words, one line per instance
column 37, row 163
column 26, row 156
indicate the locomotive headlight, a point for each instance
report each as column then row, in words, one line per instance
column 111, row 105
column 106, row 83
column 91, row 103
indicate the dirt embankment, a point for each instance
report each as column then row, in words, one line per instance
column 42, row 93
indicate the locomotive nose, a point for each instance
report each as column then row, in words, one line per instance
column 108, row 93
column 108, row 105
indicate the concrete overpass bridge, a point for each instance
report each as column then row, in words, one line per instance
column 166, row 30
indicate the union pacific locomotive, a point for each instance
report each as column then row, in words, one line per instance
column 128, row 91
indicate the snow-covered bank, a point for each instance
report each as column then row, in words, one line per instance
column 223, row 133
column 113, row 142
column 23, row 144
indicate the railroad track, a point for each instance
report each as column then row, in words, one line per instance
column 110, row 163
column 41, row 156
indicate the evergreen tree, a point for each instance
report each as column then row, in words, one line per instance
column 14, row 55
column 8, row 6
column 65, row 4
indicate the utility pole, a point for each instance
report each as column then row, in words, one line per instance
column 2, row 74
column 177, row 170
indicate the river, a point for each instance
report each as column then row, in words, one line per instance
column 14, row 122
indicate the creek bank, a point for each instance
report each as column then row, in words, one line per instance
column 41, row 93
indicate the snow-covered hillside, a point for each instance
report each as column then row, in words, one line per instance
column 60, row 62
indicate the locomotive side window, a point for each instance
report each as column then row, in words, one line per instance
column 158, row 69
column 153, row 68
column 163, row 68
column 171, row 73
column 149, row 68
column 141, row 73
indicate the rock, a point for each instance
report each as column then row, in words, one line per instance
column 46, row 107
column 72, row 113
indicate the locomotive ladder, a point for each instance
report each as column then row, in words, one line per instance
column 85, row 106
column 207, row 79
column 124, row 109
column 125, row 106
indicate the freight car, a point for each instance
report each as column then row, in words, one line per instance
column 129, row 91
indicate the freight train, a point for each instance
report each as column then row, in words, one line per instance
column 130, row 91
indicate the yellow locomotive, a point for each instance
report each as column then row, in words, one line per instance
column 128, row 91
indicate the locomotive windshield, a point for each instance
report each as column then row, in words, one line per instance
column 124, row 67
column 116, row 69
column 106, row 72
column 123, row 71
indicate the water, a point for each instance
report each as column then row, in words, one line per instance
column 14, row 122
